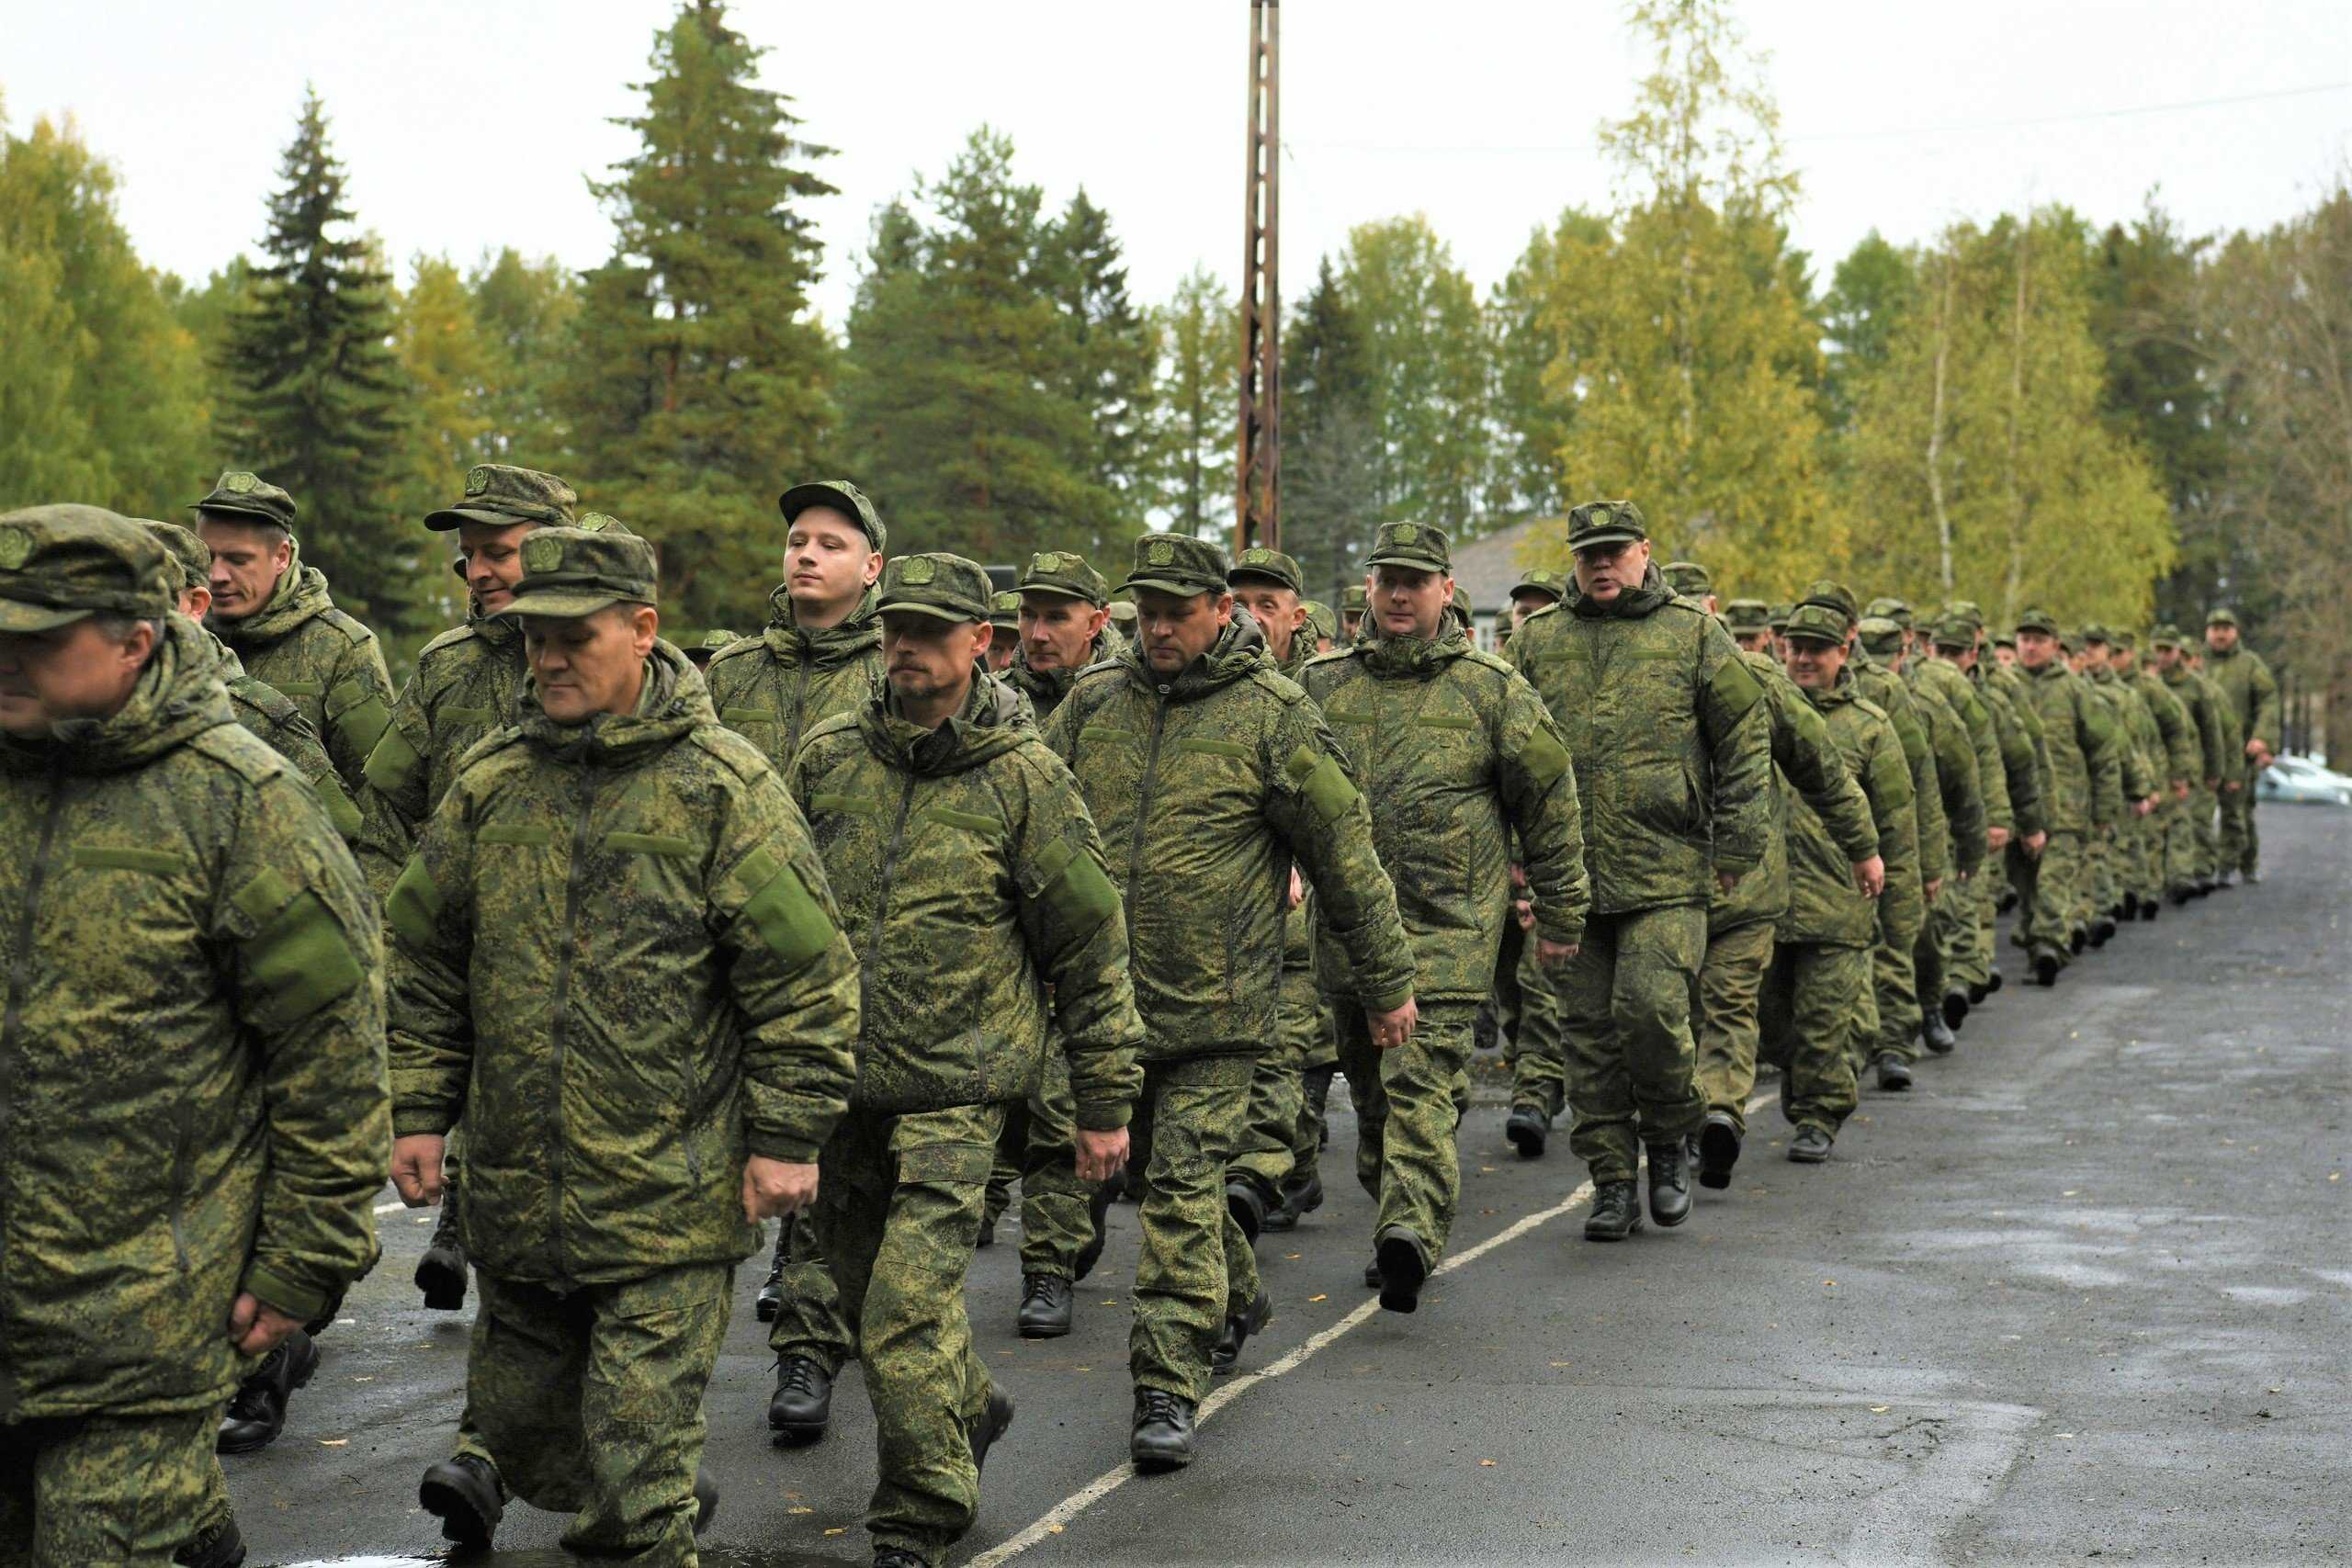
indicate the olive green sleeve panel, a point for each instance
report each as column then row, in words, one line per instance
column 430, row 912
column 1076, row 925
column 1540, row 800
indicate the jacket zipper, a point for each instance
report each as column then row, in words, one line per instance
column 20, row 957
column 800, row 705
column 557, row 1045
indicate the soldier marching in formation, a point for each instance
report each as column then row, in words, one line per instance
column 925, row 891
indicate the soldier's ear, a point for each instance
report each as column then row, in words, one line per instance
column 645, row 625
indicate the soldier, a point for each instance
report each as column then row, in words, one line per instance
column 1323, row 625
column 2086, row 797
column 1958, row 640
column 199, row 1186
column 1954, row 931
column 2142, row 781
column 277, row 616
column 1809, row 773
column 975, row 884
column 1210, row 775
column 1673, row 765
column 1830, row 927
column 707, row 648
column 2252, row 695
column 1692, row 581
column 820, row 655
column 2192, row 855
column 1267, row 583
column 2181, row 747
column 1352, row 611
column 616, row 815
column 1777, row 619
column 1537, row 591
column 1004, row 619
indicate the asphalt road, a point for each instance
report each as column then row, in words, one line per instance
column 2081, row 1296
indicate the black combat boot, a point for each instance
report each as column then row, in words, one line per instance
column 224, row 1547
column 770, row 1301
column 466, row 1494
column 441, row 1273
column 1718, row 1149
column 990, row 1425
column 1955, row 1008
column 1247, row 1207
column 1163, row 1431
column 1402, row 1271
column 1044, row 1307
column 1239, row 1326
column 705, row 1499
column 1372, row 1273
column 1893, row 1072
column 803, row 1404
column 2103, row 932
column 1616, row 1212
column 1992, row 982
column 2045, row 969
column 1938, row 1036
column 1302, row 1195
column 257, row 1412
column 1810, row 1146
column 1529, row 1130
column 1669, row 1184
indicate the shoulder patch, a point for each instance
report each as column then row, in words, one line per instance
column 1285, row 689
column 353, row 630
column 450, row 639
column 741, row 758
column 241, row 751
column 1486, row 660
column 1871, row 708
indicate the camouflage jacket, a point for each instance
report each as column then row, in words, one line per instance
column 1807, row 766
column 2203, row 704
column 1876, row 685
column 775, row 688
column 1993, row 675
column 192, row 1061
column 326, row 661
column 616, row 956
column 468, row 682
column 2182, row 753
column 1964, row 796
column 272, row 716
column 2020, row 763
column 2247, row 683
column 1825, row 907
column 1669, row 738
column 2083, row 747
column 1959, row 693
column 1461, row 764
column 970, row 879
column 2134, row 729
column 1208, row 787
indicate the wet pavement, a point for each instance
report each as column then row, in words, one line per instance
column 2082, row 1294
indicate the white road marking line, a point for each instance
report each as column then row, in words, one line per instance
column 1052, row 1521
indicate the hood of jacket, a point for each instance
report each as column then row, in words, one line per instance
column 827, row 648
column 991, row 722
column 1239, row 648
column 674, row 701
column 1632, row 604
column 302, row 594
column 1048, row 687
column 1415, row 656
column 177, row 697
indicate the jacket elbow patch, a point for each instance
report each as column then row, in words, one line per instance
column 392, row 764
column 414, row 909
column 783, row 909
column 299, row 959
column 1323, row 781
column 1075, row 887
column 1544, row 759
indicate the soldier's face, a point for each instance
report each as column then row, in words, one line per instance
column 76, row 671
column 1406, row 603
column 491, row 560
column 2005, row 656
column 2168, row 659
column 1276, row 610
column 586, row 665
column 828, row 565
column 1348, row 621
column 1175, row 629
column 1002, row 646
column 1815, row 664
column 2094, row 656
column 2221, row 639
column 1056, row 631
column 2036, row 650
column 1754, row 642
column 929, row 661
column 2122, row 660
column 246, row 564
column 1525, row 605
column 1603, row 571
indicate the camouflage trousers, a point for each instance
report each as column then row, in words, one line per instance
column 1276, row 1141
column 1187, row 1122
column 1895, row 978
column 1308, row 1017
column 1820, row 1003
column 1039, row 1146
column 123, row 1491
column 1625, row 1031
column 2053, row 897
column 897, row 1209
column 590, row 1400
column 1966, row 933
column 1409, row 1104
column 2186, row 862
column 1731, row 982
column 2204, row 833
column 1539, row 1071
column 808, row 1318
column 2240, row 849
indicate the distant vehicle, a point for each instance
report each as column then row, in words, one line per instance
column 2302, row 780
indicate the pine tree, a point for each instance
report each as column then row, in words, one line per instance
column 1425, row 370
column 317, row 393
column 525, row 312
column 1329, row 504
column 697, row 383
column 1115, row 350
column 1199, row 387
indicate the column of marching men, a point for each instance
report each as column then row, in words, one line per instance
column 921, row 894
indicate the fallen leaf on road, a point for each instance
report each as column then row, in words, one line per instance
column 837, row 1529
column 332, row 1442
column 1488, row 1462
column 1322, row 1298
column 1880, row 1409
column 800, row 1510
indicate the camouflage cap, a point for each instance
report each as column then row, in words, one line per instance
column 2004, row 639
column 2221, row 615
column 1810, row 622
column 240, row 497
column 2033, row 619
column 65, row 563
column 1881, row 635
column 843, row 497
column 2167, row 636
column 570, row 572
column 602, row 523
column 1004, row 610
column 1748, row 615
column 1965, row 609
column 1267, row 566
column 1954, row 632
column 1689, row 579
column 944, row 587
column 191, row 558
column 1177, row 564
column 1122, row 612
column 1461, row 600
column 1832, row 594
column 2127, row 640
column 1605, row 522
column 2094, row 631
column 1068, row 573
column 1355, row 598
column 1321, row 617
column 501, row 495
column 1896, row 610
column 1541, row 582
column 712, row 641
column 1414, row 545
column 1778, row 619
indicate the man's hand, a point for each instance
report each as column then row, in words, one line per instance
column 1996, row 838
column 2180, row 789
column 2230, row 786
column 255, row 1329
column 1726, row 880
column 1550, row 955
column 2141, row 808
column 416, row 1168
column 1869, row 876
column 1518, row 874
column 2259, row 752
column 1524, row 911
column 2033, row 843
column 1100, row 1154
column 1932, row 888
column 1390, row 1030
column 773, row 1187
column 1297, row 894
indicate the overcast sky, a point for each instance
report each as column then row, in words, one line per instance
column 470, row 125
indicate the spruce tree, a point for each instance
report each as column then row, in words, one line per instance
column 316, row 392
column 1114, row 351
column 1329, row 505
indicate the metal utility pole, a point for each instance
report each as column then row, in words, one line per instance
column 1256, row 520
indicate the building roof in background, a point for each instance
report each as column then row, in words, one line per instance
column 1487, row 567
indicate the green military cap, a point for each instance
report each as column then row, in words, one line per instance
column 713, row 640
column 1269, row 566
column 1122, row 612
column 1414, row 545
column 1881, row 635
column 602, row 523
column 2037, row 620
column 1895, row 610
column 2094, row 632
column 1321, row 617
column 1778, row 619
column 2004, row 639
column 1353, row 597
column 1179, row 564
column 2122, row 639
column 1068, row 573
column 2165, row 636
column 2221, row 615
column 1605, row 522
column 1689, row 579
column 242, row 497
column 843, row 497
column 501, row 495
column 570, row 572
column 947, row 587
column 1748, row 616
column 1955, row 632
column 1834, row 595
column 1541, row 582
column 1004, row 610
column 1815, row 622
column 65, row 563
column 191, row 559
column 1967, row 610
